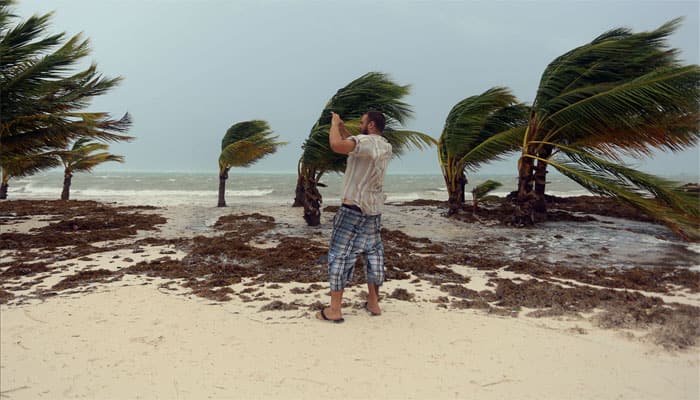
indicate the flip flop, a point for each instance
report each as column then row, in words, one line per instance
column 335, row 321
column 372, row 313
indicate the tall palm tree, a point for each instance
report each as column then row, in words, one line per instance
column 82, row 158
column 623, row 94
column 477, row 130
column 42, row 94
column 243, row 144
column 372, row 91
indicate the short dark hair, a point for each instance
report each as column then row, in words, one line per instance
column 378, row 119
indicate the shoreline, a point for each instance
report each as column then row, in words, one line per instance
column 156, row 281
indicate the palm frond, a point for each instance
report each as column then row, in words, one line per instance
column 28, row 164
column 89, row 162
column 663, row 189
column 685, row 225
column 245, row 130
column 485, row 188
column 247, row 142
column 495, row 148
column 614, row 56
column 82, row 156
column 244, row 153
column 372, row 91
column 19, row 42
column 491, row 117
column 654, row 110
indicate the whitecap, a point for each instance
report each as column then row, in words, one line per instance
column 694, row 247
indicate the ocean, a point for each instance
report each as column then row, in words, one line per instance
column 175, row 188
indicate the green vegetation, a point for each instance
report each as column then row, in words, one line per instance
column 243, row 144
column 623, row 94
column 42, row 96
column 372, row 91
column 477, row 130
column 482, row 190
column 82, row 158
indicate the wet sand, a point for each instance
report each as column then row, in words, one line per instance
column 110, row 301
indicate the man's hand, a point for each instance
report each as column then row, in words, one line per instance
column 336, row 120
column 338, row 136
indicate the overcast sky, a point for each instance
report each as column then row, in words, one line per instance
column 192, row 68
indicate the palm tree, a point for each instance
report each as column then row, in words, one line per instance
column 477, row 130
column 19, row 166
column 372, row 91
column 82, row 158
column 623, row 94
column 42, row 94
column 243, row 144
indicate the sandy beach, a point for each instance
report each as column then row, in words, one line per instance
column 113, row 301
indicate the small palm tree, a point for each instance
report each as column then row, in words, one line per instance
column 243, row 144
column 82, row 158
column 478, row 129
column 372, row 91
column 481, row 190
column 623, row 94
column 42, row 94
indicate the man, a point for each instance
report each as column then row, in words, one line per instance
column 357, row 224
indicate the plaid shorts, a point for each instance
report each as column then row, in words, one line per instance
column 355, row 233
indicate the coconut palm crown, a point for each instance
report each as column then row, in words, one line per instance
column 82, row 158
column 244, row 144
column 622, row 94
column 372, row 91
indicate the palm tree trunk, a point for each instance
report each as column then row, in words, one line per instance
column 67, row 177
column 540, row 204
column 299, row 192
column 4, row 184
column 524, row 201
column 455, row 191
column 312, row 197
column 223, row 175
column 455, row 186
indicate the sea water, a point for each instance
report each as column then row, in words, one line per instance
column 174, row 188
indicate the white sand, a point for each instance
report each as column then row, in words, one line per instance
column 132, row 339
column 135, row 342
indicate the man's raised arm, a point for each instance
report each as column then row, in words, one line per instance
column 338, row 137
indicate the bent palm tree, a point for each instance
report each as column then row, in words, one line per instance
column 19, row 166
column 623, row 94
column 82, row 158
column 478, row 129
column 41, row 95
column 372, row 91
column 243, row 144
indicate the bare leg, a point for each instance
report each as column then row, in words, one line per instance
column 373, row 298
column 334, row 311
